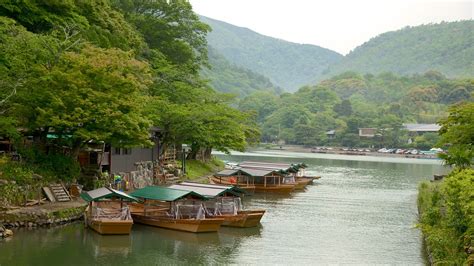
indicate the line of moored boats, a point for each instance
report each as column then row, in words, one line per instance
column 193, row 207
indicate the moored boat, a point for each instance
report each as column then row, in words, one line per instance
column 224, row 202
column 107, row 213
column 173, row 209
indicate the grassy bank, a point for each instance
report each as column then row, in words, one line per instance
column 196, row 170
column 23, row 180
column 447, row 218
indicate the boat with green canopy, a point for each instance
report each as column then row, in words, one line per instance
column 173, row 209
column 224, row 202
column 108, row 212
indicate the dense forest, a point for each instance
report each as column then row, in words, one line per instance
column 447, row 47
column 351, row 101
column 109, row 71
column 287, row 65
column 227, row 77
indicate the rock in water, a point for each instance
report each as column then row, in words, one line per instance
column 8, row 233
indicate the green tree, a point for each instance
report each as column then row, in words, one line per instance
column 457, row 132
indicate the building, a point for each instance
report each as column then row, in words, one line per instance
column 367, row 132
column 331, row 134
column 422, row 128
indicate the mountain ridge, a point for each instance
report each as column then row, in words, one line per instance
column 295, row 65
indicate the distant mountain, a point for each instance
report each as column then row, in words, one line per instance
column 226, row 77
column 287, row 65
column 447, row 47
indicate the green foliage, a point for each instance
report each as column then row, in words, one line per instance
column 447, row 217
column 445, row 47
column 457, row 132
column 106, row 71
column 198, row 169
column 351, row 101
column 426, row 141
column 287, row 65
column 229, row 78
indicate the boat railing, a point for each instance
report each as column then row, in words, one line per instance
column 111, row 213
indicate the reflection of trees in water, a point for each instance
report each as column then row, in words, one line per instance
column 170, row 246
column 45, row 246
column 104, row 246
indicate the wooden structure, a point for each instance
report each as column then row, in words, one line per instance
column 173, row 209
column 261, row 180
column 56, row 192
column 224, row 202
column 266, row 177
column 107, row 213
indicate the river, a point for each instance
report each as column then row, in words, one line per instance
column 362, row 211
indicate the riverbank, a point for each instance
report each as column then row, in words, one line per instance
column 446, row 218
column 336, row 150
column 43, row 215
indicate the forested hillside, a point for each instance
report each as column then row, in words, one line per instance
column 447, row 47
column 109, row 71
column 227, row 77
column 287, row 65
column 351, row 101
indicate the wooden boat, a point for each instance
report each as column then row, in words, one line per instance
column 278, row 188
column 304, row 181
column 224, row 202
column 106, row 213
column 245, row 219
column 187, row 225
column 167, row 208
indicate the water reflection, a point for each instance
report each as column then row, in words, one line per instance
column 360, row 212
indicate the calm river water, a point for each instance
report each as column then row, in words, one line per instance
column 362, row 211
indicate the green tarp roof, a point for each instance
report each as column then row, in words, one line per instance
column 164, row 193
column 105, row 193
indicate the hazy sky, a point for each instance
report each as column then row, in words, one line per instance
column 340, row 25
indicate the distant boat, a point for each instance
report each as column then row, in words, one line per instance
column 257, row 180
column 173, row 209
column 266, row 177
column 224, row 202
column 107, row 212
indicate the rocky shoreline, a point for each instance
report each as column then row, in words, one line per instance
column 40, row 216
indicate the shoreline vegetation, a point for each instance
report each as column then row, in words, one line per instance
column 446, row 218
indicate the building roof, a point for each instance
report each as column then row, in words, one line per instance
column 331, row 132
column 105, row 193
column 208, row 190
column 422, row 127
column 164, row 193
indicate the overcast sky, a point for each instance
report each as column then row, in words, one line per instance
column 340, row 25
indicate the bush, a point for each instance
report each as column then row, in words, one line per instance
column 52, row 165
column 447, row 217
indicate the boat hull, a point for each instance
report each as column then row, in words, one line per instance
column 243, row 219
column 303, row 182
column 111, row 227
column 247, row 188
column 187, row 225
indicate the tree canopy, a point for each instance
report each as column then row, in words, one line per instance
column 109, row 71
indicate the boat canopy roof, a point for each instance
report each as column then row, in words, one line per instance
column 105, row 193
column 249, row 172
column 164, row 193
column 209, row 190
column 294, row 167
